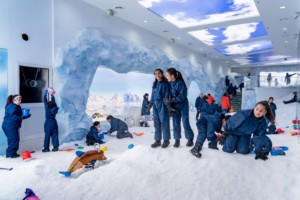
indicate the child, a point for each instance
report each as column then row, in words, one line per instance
column 119, row 126
column 240, row 127
column 263, row 145
column 145, row 111
column 12, row 123
column 50, row 126
column 207, row 125
column 273, row 106
column 92, row 136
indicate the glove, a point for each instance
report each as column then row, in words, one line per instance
column 261, row 155
column 149, row 106
column 45, row 92
column 222, row 139
column 168, row 100
column 25, row 117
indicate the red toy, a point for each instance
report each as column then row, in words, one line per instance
column 280, row 131
column 26, row 155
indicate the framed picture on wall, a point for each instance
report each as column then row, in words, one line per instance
column 33, row 81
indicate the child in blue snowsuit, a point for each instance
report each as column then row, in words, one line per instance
column 119, row 126
column 160, row 91
column 50, row 126
column 198, row 104
column 181, row 104
column 12, row 123
column 261, row 144
column 207, row 125
column 92, row 137
column 240, row 127
column 145, row 111
column 206, row 108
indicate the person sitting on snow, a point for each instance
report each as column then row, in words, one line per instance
column 207, row 125
column 294, row 99
column 84, row 158
column 92, row 136
column 119, row 126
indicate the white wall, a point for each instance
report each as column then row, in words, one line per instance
column 34, row 18
column 263, row 93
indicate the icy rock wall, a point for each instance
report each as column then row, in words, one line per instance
column 77, row 63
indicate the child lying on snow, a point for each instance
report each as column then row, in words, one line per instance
column 82, row 159
column 119, row 126
column 92, row 137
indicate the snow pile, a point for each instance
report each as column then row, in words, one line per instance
column 163, row 174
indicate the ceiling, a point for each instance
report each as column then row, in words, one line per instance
column 240, row 33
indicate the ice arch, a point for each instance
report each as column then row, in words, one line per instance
column 92, row 49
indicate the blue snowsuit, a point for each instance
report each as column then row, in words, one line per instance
column 207, row 125
column 50, row 126
column 239, row 129
column 11, row 124
column 262, row 144
column 207, row 109
column 145, row 110
column 198, row 103
column 119, row 126
column 181, row 105
column 273, row 107
column 271, row 128
column 160, row 111
column 92, row 136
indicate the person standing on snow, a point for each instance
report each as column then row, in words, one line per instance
column 145, row 111
column 181, row 104
column 12, row 123
column 272, row 106
column 160, row 91
column 240, row 127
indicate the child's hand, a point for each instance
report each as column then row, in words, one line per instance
column 45, row 92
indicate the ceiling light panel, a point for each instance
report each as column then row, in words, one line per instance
column 233, row 33
column 260, row 57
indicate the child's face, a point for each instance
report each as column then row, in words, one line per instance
column 170, row 77
column 17, row 101
column 270, row 100
column 158, row 75
column 259, row 111
column 109, row 120
column 98, row 126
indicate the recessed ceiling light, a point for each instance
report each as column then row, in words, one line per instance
column 284, row 29
column 145, row 21
column 282, row 7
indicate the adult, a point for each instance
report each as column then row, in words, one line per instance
column 240, row 127
column 272, row 106
column 181, row 104
column 230, row 90
column 269, row 79
column 160, row 90
column 210, row 99
column 294, row 99
column 119, row 126
column 225, row 103
column 287, row 78
column 227, row 81
column 198, row 104
column 234, row 90
column 145, row 113
column 241, row 86
column 12, row 123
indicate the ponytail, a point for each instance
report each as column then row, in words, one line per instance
column 177, row 74
column 9, row 100
column 269, row 114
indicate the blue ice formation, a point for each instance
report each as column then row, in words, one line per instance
column 91, row 49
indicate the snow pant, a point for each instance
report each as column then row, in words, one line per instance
column 13, row 140
column 51, row 131
column 262, row 144
column 161, row 121
column 91, row 140
column 238, row 143
column 121, row 132
column 182, row 112
column 204, row 133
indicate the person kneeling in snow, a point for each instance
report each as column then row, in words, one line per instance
column 84, row 158
column 207, row 125
column 119, row 126
column 92, row 136
column 240, row 127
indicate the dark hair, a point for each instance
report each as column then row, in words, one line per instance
column 204, row 98
column 208, row 94
column 146, row 94
column 51, row 104
column 271, row 98
column 109, row 117
column 164, row 79
column 177, row 74
column 227, row 117
column 269, row 114
column 225, row 94
column 96, row 123
column 10, row 99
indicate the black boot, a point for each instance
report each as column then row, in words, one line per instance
column 196, row 150
column 190, row 143
column 146, row 125
column 157, row 143
column 177, row 143
column 55, row 149
column 46, row 150
column 213, row 145
column 165, row 144
column 128, row 134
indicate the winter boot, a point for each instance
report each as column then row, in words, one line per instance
column 165, row 144
column 46, row 150
column 213, row 145
column 55, row 149
column 196, row 150
column 157, row 143
column 146, row 125
column 190, row 143
column 128, row 134
column 177, row 143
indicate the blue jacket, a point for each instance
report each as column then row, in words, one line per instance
column 13, row 116
column 273, row 107
column 214, row 122
column 50, row 112
column 207, row 109
column 160, row 91
column 93, row 133
column 117, row 124
column 145, row 111
column 179, row 93
column 245, row 123
column 198, row 103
